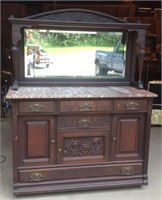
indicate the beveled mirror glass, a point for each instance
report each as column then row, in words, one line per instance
column 74, row 54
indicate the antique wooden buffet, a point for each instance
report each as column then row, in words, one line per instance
column 79, row 132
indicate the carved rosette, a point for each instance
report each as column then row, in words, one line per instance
column 83, row 146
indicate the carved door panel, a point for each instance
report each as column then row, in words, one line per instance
column 127, row 137
column 36, row 140
column 83, row 147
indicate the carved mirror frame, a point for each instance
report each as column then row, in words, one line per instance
column 79, row 19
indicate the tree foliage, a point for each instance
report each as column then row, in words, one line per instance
column 68, row 39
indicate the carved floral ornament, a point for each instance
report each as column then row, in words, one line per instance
column 86, row 146
column 16, row 35
column 141, row 38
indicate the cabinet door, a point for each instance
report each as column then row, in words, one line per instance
column 36, row 140
column 83, row 147
column 127, row 137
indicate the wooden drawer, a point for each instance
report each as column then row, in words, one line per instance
column 83, row 122
column 86, row 106
column 49, row 174
column 131, row 105
column 36, row 106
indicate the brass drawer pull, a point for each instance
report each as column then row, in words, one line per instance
column 84, row 123
column 52, row 141
column 36, row 176
column 114, row 138
column 127, row 171
column 86, row 107
column 132, row 106
column 36, row 107
column 59, row 150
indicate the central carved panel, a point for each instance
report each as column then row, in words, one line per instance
column 77, row 15
column 83, row 146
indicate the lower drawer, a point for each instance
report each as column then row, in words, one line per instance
column 49, row 174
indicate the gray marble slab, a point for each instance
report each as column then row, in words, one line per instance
column 76, row 92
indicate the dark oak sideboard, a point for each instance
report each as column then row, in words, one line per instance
column 79, row 138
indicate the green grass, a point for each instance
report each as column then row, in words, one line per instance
column 63, row 50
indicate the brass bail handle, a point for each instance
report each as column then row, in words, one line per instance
column 85, row 106
column 132, row 106
column 36, row 107
column 84, row 123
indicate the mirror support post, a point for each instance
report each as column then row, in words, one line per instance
column 16, row 36
column 14, row 50
column 141, row 54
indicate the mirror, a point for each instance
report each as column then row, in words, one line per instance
column 63, row 53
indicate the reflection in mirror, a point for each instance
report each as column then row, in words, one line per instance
column 52, row 53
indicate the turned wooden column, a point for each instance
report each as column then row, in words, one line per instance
column 16, row 37
column 141, row 54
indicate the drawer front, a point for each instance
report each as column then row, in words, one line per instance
column 83, row 122
column 131, row 105
column 49, row 174
column 36, row 106
column 85, row 106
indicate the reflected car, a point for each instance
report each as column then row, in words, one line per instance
column 106, row 61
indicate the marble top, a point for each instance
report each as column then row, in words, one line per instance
column 77, row 92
